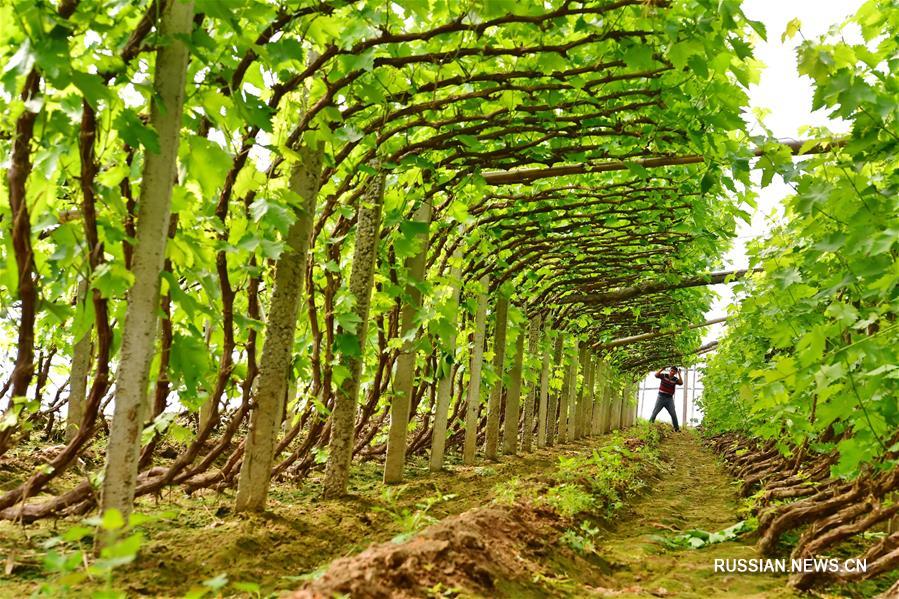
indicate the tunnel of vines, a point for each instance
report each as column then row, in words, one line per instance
column 261, row 245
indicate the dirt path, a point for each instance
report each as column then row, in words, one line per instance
column 524, row 549
column 521, row 549
column 695, row 493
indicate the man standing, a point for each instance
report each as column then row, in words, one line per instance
column 667, row 384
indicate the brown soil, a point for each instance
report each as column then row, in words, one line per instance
column 483, row 552
column 514, row 550
column 199, row 538
column 484, row 545
column 503, row 550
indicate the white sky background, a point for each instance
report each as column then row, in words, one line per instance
column 788, row 97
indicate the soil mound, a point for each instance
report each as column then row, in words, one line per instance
column 483, row 551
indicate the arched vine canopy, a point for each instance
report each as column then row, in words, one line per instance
column 586, row 159
column 443, row 95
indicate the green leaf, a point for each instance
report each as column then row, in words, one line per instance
column 112, row 279
column 217, row 583
column 84, row 319
column 122, row 552
column 707, row 182
column 759, row 28
column 134, row 133
column 19, row 65
column 347, row 344
column 680, row 53
column 811, row 346
column 270, row 212
column 254, row 111
column 411, row 238
column 77, row 532
column 92, row 86
column 112, row 519
column 638, row 169
column 189, row 360
column 793, row 26
column 699, row 65
column 247, row 587
column 324, row 30
column 206, row 163
column 639, row 56
column 844, row 313
column 339, row 373
column 180, row 434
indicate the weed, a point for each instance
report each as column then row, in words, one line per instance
column 308, row 576
column 409, row 520
column 69, row 559
column 218, row 584
column 694, row 539
column 570, row 500
column 581, row 539
column 610, row 470
column 507, row 492
column 485, row 471
column 562, row 584
column 439, row 590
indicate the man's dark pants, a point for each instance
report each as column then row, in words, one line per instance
column 665, row 401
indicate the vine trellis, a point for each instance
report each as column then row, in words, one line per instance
column 420, row 216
